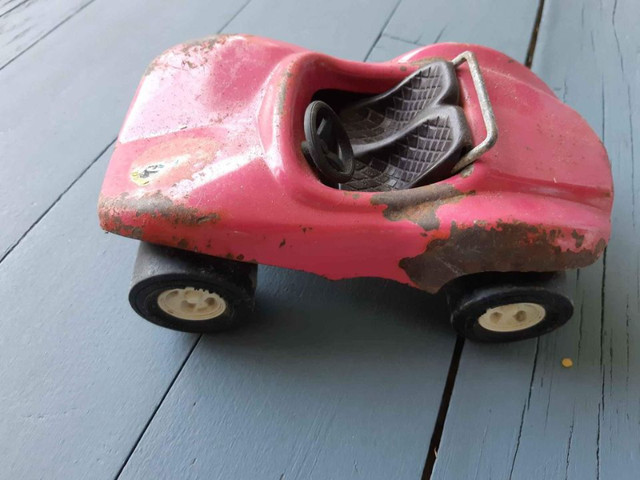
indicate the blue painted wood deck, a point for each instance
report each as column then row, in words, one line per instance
column 357, row 379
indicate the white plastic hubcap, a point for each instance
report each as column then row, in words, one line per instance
column 512, row 317
column 192, row 304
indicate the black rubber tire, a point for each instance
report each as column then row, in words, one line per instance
column 159, row 268
column 470, row 297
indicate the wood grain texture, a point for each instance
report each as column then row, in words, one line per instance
column 7, row 6
column 531, row 417
column 344, row 29
column 80, row 373
column 70, row 92
column 24, row 22
column 505, row 25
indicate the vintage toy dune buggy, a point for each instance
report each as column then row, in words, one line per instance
column 239, row 150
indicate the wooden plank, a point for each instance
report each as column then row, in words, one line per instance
column 387, row 47
column 7, row 5
column 336, row 380
column 24, row 23
column 505, row 25
column 69, row 94
column 515, row 411
column 80, row 372
column 335, row 27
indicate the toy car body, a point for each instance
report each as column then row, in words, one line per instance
column 209, row 160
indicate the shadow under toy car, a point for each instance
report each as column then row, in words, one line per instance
column 239, row 150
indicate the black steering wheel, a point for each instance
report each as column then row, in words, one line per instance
column 327, row 144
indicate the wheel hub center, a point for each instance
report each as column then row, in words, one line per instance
column 192, row 304
column 512, row 317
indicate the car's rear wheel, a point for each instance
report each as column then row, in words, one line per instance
column 191, row 292
column 505, row 307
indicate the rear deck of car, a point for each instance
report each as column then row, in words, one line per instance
column 353, row 379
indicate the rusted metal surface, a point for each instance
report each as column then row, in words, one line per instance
column 153, row 205
column 194, row 54
column 484, row 245
column 506, row 247
column 418, row 205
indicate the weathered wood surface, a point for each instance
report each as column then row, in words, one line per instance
column 516, row 412
column 24, row 22
column 79, row 373
column 335, row 380
column 344, row 29
column 504, row 25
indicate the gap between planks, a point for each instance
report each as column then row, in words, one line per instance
column 44, row 35
column 188, row 356
column 436, row 437
column 55, row 202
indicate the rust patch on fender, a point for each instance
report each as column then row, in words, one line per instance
column 114, row 224
column 213, row 217
column 578, row 238
column 354, row 195
column 421, row 62
column 154, row 205
column 202, row 47
column 418, row 205
column 282, row 95
column 467, row 171
column 505, row 247
column 205, row 45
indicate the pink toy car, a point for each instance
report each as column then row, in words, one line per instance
column 239, row 150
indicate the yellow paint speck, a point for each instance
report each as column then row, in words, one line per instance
column 567, row 363
column 135, row 176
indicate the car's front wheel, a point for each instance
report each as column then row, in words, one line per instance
column 191, row 292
